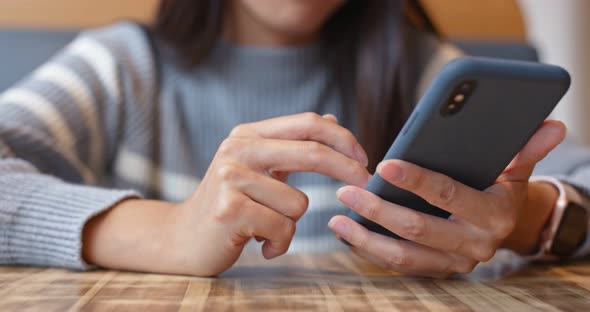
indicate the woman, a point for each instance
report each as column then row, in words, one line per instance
column 211, row 111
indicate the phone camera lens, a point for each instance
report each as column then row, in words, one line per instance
column 458, row 99
column 451, row 108
column 466, row 87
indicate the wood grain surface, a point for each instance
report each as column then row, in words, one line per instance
column 309, row 282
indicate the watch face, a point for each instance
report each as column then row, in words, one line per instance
column 571, row 232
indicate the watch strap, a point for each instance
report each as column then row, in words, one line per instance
column 567, row 194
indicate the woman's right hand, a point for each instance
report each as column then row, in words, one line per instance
column 244, row 192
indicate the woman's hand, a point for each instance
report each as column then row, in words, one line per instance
column 242, row 195
column 481, row 222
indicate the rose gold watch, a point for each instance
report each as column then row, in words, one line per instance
column 567, row 227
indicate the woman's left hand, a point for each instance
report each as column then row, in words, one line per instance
column 481, row 221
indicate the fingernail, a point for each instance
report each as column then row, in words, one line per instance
column 361, row 156
column 349, row 198
column 341, row 229
column 393, row 173
column 331, row 116
column 272, row 252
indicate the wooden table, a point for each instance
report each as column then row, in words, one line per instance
column 326, row 282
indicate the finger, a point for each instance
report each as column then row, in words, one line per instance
column 454, row 235
column 277, row 230
column 267, row 191
column 381, row 263
column 397, row 254
column 547, row 137
column 306, row 127
column 296, row 156
column 438, row 190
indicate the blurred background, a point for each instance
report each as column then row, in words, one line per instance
column 554, row 31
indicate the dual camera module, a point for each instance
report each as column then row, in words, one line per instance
column 458, row 98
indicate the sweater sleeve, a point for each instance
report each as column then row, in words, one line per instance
column 59, row 130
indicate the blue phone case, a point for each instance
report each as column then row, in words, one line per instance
column 509, row 101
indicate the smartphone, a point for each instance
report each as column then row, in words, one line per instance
column 474, row 118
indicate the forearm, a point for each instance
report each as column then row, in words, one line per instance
column 532, row 219
column 131, row 236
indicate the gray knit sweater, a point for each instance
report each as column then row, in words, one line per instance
column 94, row 126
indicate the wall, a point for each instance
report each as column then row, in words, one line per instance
column 490, row 19
column 456, row 17
column 72, row 13
column 561, row 32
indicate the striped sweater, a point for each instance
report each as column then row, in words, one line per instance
column 103, row 121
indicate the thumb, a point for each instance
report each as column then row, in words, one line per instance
column 545, row 139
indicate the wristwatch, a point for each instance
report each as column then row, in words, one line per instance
column 567, row 228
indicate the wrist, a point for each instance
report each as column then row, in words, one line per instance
column 532, row 218
column 132, row 235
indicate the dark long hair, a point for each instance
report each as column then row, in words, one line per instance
column 370, row 51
